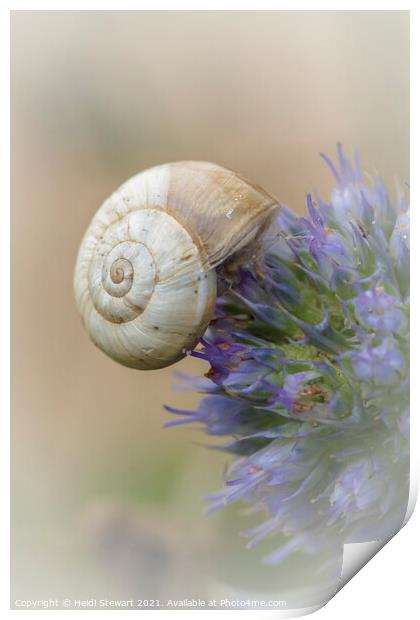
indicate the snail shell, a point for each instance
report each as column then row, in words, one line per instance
column 145, row 280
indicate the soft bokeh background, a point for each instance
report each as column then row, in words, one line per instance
column 105, row 501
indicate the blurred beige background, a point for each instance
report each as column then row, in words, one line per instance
column 96, row 97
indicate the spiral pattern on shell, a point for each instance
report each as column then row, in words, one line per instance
column 145, row 282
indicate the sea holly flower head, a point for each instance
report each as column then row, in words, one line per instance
column 308, row 372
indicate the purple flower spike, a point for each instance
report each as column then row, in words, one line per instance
column 308, row 377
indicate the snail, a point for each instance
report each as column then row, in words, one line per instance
column 145, row 279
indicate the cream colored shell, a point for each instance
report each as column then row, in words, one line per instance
column 145, row 280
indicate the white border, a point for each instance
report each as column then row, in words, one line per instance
column 209, row 5
column 386, row 585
